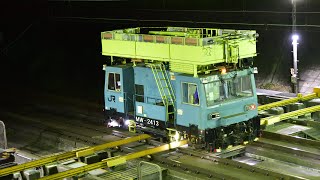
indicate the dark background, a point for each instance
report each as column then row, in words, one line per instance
column 54, row 46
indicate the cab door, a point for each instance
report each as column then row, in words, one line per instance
column 119, row 88
column 114, row 91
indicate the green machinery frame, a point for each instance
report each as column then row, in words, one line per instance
column 187, row 50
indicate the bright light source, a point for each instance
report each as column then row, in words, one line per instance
column 294, row 1
column 251, row 107
column 177, row 136
column 127, row 122
column 295, row 37
column 223, row 70
column 113, row 123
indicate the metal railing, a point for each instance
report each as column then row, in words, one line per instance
column 140, row 169
column 149, row 100
column 189, row 41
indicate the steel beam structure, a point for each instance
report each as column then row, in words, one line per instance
column 285, row 102
column 300, row 97
column 274, row 119
column 70, row 154
column 110, row 162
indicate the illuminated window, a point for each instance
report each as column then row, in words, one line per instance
column 228, row 89
column 190, row 93
column 114, row 82
column 214, row 92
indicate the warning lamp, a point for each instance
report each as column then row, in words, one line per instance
column 223, row 70
column 251, row 107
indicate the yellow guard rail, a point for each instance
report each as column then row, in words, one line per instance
column 274, row 119
column 300, row 97
column 110, row 162
column 70, row 154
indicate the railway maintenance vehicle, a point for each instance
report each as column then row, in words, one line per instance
column 183, row 83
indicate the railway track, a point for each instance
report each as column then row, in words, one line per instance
column 71, row 130
column 302, row 155
column 201, row 163
column 298, row 158
column 67, row 118
column 254, row 163
column 68, row 155
column 209, row 166
column 221, row 167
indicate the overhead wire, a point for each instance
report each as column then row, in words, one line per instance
column 244, row 11
column 3, row 50
column 191, row 22
column 237, row 11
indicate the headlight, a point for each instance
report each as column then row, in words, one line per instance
column 127, row 122
column 250, row 107
column 113, row 123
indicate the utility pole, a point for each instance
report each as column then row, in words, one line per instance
column 4, row 135
column 294, row 16
column 295, row 38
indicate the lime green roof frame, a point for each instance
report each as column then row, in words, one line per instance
column 186, row 49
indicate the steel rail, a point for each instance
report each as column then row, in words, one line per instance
column 110, row 162
column 289, row 154
column 239, row 165
column 174, row 165
column 291, row 139
column 70, row 154
column 286, row 149
column 212, row 173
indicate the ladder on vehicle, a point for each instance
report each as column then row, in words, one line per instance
column 165, row 88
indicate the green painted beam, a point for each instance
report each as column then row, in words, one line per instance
column 187, row 47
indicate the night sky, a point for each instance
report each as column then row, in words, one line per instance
column 54, row 46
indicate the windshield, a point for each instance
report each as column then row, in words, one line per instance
column 227, row 89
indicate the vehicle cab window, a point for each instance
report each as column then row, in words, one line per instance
column 114, row 82
column 190, row 93
column 228, row 89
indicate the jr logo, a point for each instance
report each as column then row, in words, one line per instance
column 112, row 98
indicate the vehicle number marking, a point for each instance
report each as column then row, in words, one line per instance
column 152, row 122
column 147, row 121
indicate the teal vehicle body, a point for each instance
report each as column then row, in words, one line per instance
column 222, row 99
column 196, row 82
column 226, row 108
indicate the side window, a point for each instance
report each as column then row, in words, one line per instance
column 111, row 82
column 114, row 82
column 214, row 92
column 117, row 82
column 190, row 93
column 243, row 86
column 139, row 93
